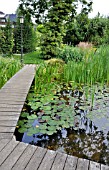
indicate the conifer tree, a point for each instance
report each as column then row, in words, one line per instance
column 9, row 40
column 54, row 15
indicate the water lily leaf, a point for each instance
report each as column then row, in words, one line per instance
column 24, row 114
column 58, row 127
column 33, row 130
column 22, row 129
column 43, row 131
column 50, row 132
column 43, row 127
column 46, row 108
column 51, row 128
column 32, row 117
column 20, row 123
column 29, row 134
column 28, row 125
column 36, row 105
column 47, row 112
column 52, row 122
column 66, row 125
column 46, row 117
column 30, row 121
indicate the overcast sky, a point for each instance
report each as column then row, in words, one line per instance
column 102, row 6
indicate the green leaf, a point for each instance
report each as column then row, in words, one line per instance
column 24, row 114
column 46, row 117
column 22, row 130
column 33, row 130
column 20, row 123
column 51, row 128
column 32, row 117
column 46, row 108
column 43, row 127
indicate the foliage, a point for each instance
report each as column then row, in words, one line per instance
column 7, row 41
column 77, row 30
column 2, row 40
column 54, row 15
column 8, row 67
column 94, row 68
column 50, row 115
column 29, row 36
column 82, row 28
column 70, row 53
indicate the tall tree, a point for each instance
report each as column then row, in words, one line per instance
column 2, row 41
column 54, row 15
column 9, row 40
column 29, row 34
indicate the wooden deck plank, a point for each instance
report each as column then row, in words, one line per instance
column 25, row 158
column 11, row 109
column 3, row 143
column 12, row 94
column 6, row 135
column 83, row 164
column 9, row 113
column 13, row 157
column 36, row 159
column 59, row 161
column 8, row 123
column 7, row 150
column 48, row 160
column 13, row 98
column 104, row 167
column 11, row 106
column 9, row 102
column 94, row 165
column 71, row 163
column 6, row 129
column 13, row 117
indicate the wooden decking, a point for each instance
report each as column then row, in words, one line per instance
column 16, row 155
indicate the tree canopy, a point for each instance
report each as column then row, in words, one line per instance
column 54, row 15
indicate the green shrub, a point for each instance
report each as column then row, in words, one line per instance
column 69, row 53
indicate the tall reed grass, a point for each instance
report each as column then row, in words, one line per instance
column 8, row 67
column 92, row 69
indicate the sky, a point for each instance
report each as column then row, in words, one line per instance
column 102, row 6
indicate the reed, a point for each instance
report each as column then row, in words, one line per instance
column 94, row 68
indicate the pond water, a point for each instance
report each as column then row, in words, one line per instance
column 89, row 136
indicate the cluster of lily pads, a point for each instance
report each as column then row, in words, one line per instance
column 50, row 113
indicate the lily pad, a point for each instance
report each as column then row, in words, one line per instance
column 24, row 114
column 22, row 129
column 51, row 128
column 46, row 108
column 46, row 117
column 50, row 132
column 32, row 117
column 43, row 127
column 33, row 130
column 20, row 123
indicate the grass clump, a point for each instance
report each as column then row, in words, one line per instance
column 8, row 67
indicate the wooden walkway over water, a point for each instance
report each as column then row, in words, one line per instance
column 16, row 155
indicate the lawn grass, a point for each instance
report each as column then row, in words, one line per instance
column 30, row 58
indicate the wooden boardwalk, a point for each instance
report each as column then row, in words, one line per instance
column 16, row 155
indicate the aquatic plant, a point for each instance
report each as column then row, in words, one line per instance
column 50, row 114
